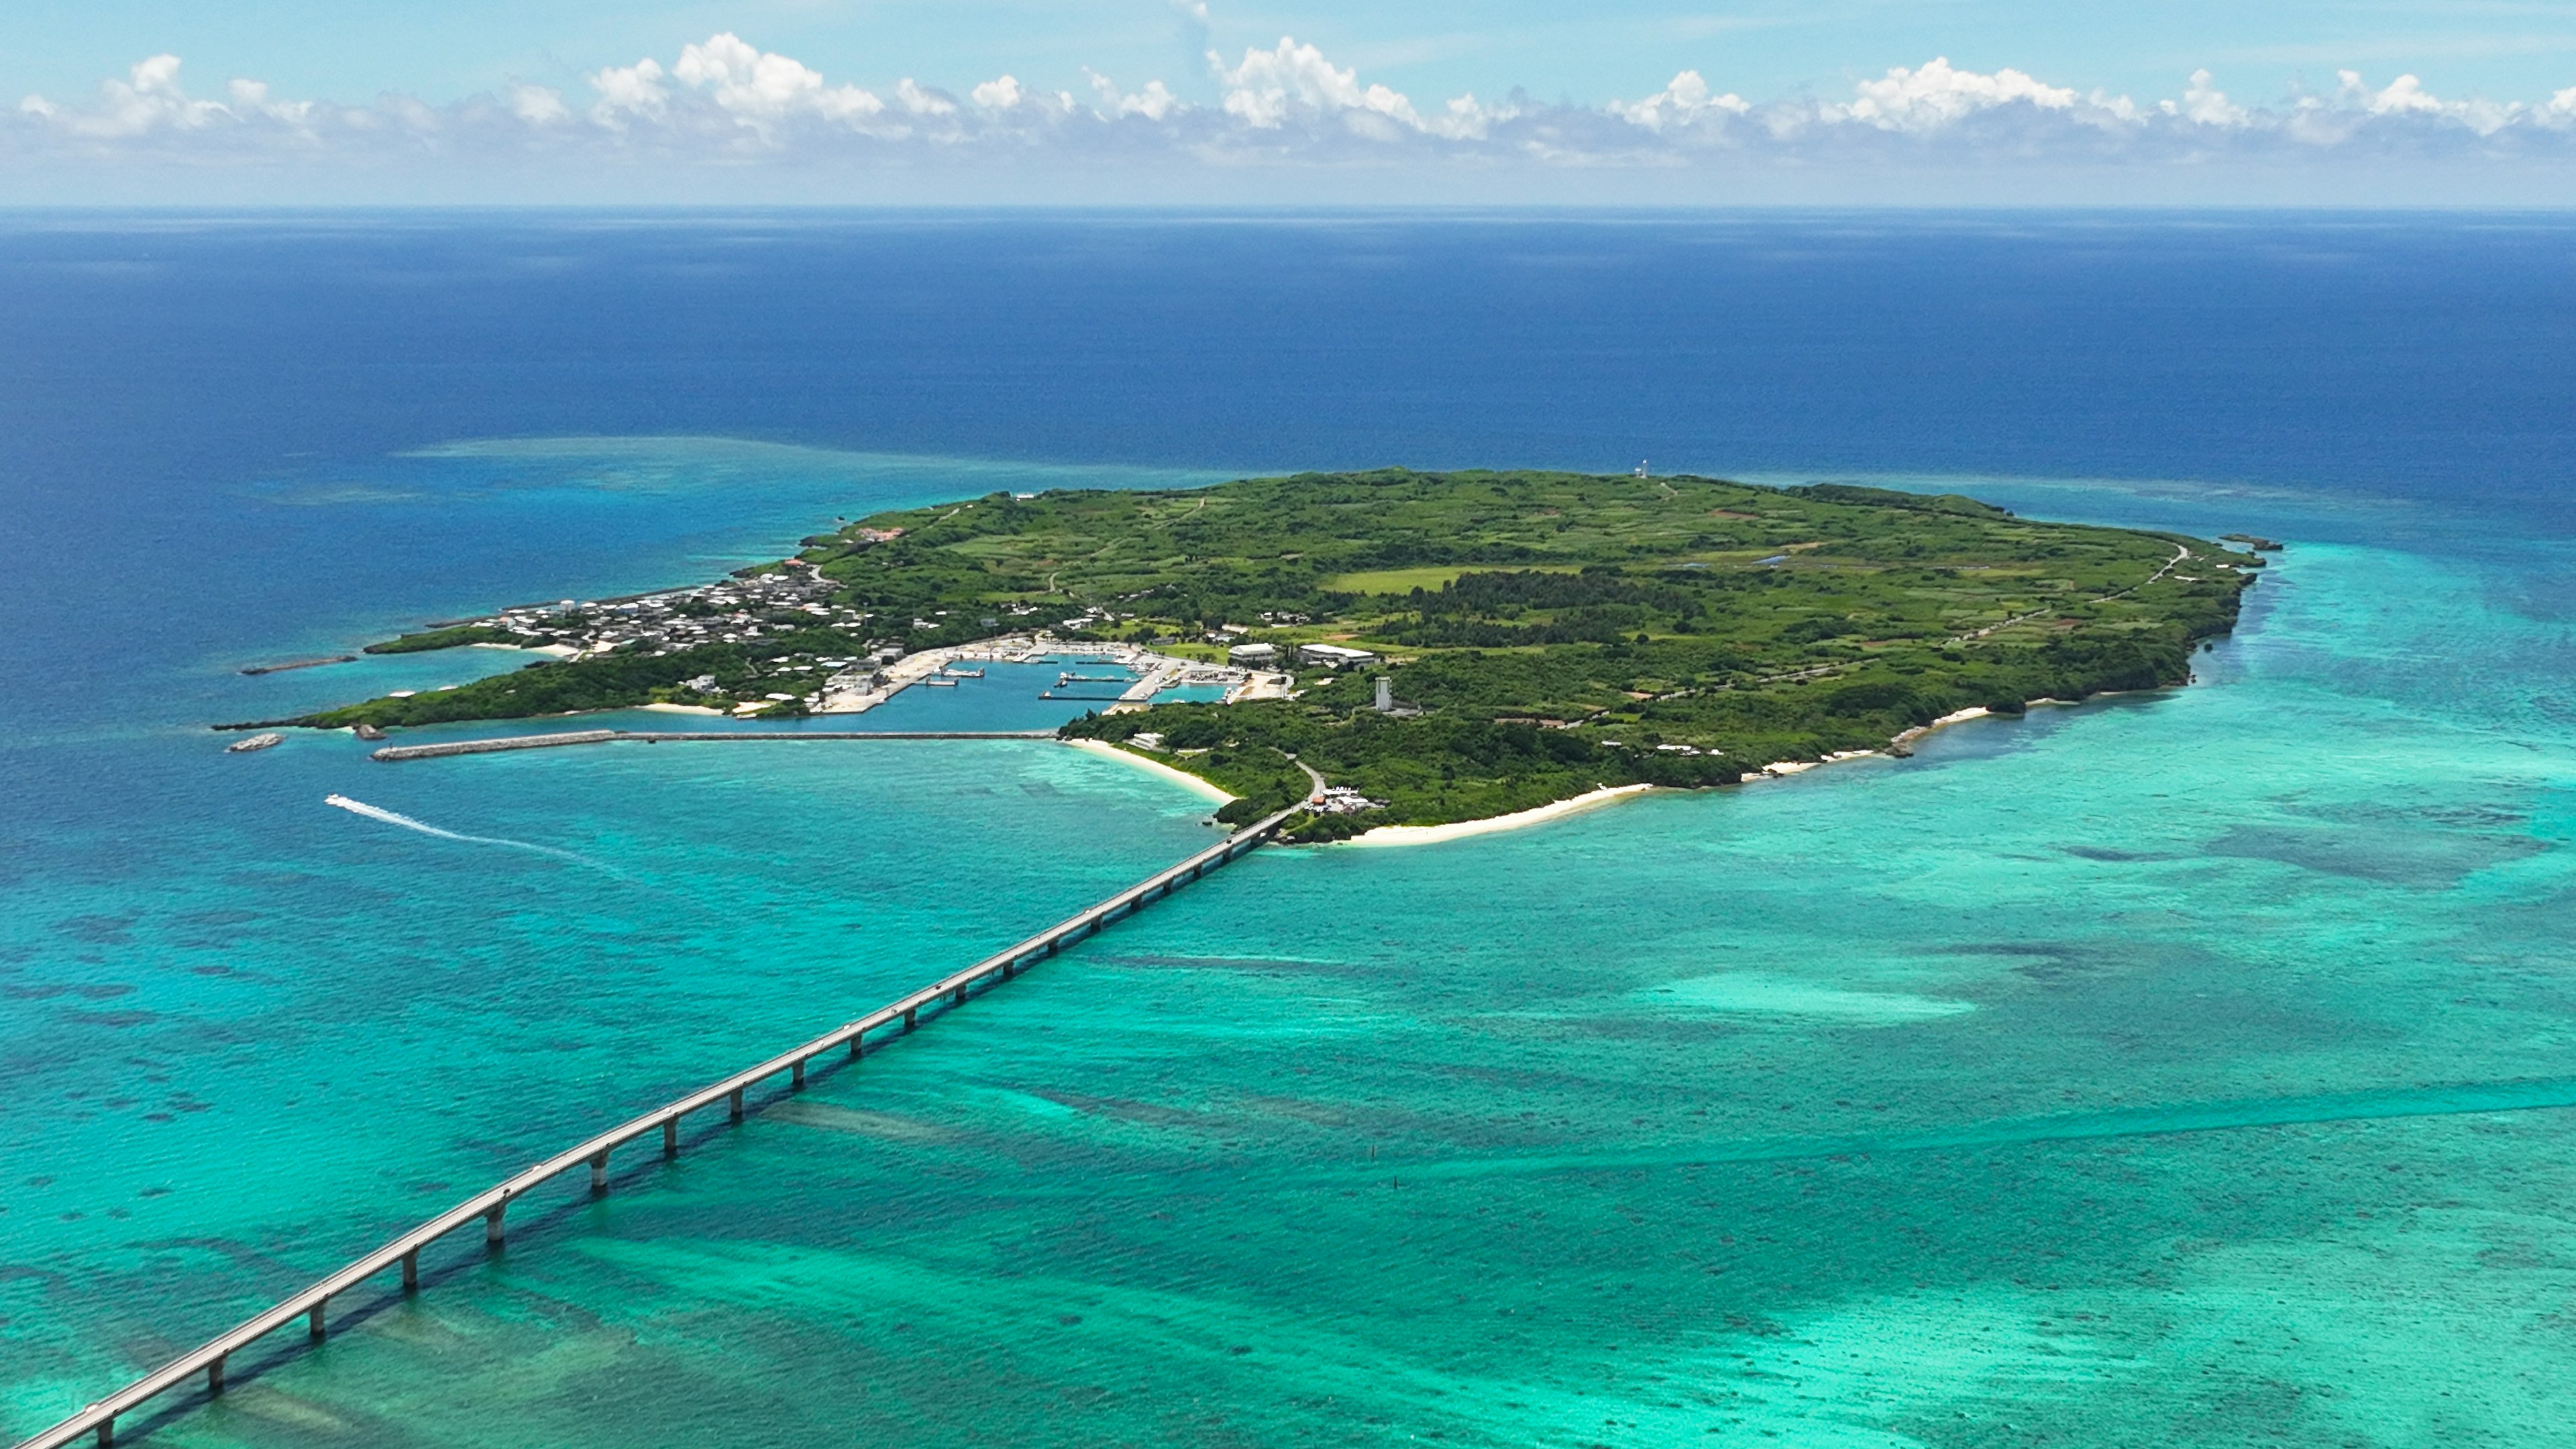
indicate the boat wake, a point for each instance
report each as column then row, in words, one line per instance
column 375, row 812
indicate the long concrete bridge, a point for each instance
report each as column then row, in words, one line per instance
column 654, row 737
column 492, row 1205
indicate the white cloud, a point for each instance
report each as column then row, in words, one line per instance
column 148, row 100
column 1681, row 103
column 1271, row 85
column 1295, row 81
column 538, row 105
column 763, row 89
column 624, row 91
column 725, row 102
column 2204, row 104
column 1154, row 102
column 250, row 98
column 1938, row 95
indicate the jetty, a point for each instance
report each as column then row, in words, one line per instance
column 658, row 737
column 300, row 664
column 205, row 1364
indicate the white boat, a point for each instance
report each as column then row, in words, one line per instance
column 255, row 742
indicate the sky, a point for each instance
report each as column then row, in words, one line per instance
column 1912, row 102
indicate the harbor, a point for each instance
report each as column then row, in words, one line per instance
column 1081, row 675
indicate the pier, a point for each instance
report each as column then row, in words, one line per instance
column 656, row 737
column 490, row 1207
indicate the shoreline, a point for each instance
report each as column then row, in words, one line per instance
column 1201, row 788
column 1387, row 836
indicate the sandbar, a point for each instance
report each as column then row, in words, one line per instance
column 1431, row 834
column 1181, row 778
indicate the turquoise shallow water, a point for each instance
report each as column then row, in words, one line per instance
column 2175, row 1069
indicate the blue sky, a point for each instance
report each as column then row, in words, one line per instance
column 1587, row 53
column 2309, row 99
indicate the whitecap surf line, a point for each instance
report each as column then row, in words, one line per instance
column 390, row 817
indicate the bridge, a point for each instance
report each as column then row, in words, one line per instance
column 491, row 1206
column 654, row 737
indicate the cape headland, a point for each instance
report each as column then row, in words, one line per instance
column 1441, row 647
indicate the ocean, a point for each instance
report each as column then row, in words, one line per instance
column 2186, row 1069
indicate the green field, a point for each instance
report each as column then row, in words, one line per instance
column 1556, row 631
column 1435, row 576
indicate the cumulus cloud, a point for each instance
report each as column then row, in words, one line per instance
column 1681, row 103
column 148, row 100
column 631, row 91
column 536, row 105
column 1938, row 95
column 1295, row 82
column 763, row 90
column 1154, row 102
column 2204, row 104
column 728, row 103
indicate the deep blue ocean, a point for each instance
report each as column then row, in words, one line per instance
column 2188, row 1070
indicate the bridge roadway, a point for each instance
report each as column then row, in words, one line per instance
column 493, row 1204
column 654, row 737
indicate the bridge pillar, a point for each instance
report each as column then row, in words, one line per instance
column 735, row 1104
column 670, row 1137
column 492, row 1226
column 1006, row 970
column 854, row 1049
column 411, row 1271
column 908, row 1015
column 106, row 1432
column 215, row 1377
column 313, row 1319
column 959, row 999
column 599, row 1174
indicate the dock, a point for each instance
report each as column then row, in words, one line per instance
column 205, row 1364
column 657, row 737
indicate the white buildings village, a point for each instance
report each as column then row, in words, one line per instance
column 746, row 610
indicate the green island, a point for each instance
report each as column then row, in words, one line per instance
column 1463, row 644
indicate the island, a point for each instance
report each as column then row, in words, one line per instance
column 1438, row 646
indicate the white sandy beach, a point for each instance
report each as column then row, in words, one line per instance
column 1779, row 768
column 665, row 707
column 1961, row 716
column 1181, row 778
column 1432, row 834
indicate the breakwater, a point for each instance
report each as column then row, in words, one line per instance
column 300, row 664
column 206, row 1364
column 656, row 737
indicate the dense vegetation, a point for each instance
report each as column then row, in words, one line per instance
column 1555, row 631
column 451, row 637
